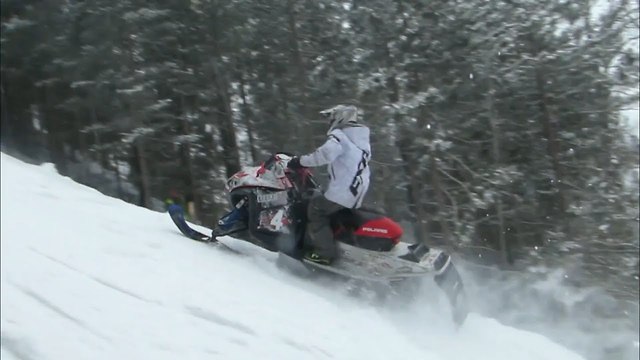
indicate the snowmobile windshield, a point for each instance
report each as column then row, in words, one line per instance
column 303, row 178
column 275, row 157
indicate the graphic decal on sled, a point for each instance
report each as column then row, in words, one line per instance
column 268, row 209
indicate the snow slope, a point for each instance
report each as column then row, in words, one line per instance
column 86, row 276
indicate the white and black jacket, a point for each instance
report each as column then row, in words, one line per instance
column 346, row 152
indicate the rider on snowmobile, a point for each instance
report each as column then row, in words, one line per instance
column 346, row 152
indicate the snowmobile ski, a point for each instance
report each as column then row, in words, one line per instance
column 177, row 215
column 338, row 268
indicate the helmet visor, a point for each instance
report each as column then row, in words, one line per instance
column 326, row 114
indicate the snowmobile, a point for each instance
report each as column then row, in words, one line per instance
column 269, row 205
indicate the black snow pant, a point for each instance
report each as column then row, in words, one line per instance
column 319, row 233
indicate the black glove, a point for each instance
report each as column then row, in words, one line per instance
column 294, row 163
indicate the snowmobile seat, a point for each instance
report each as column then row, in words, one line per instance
column 366, row 229
column 352, row 219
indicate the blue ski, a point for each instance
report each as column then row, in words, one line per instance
column 177, row 215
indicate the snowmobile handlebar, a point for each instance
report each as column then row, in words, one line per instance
column 302, row 178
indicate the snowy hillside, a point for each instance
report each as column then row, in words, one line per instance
column 85, row 276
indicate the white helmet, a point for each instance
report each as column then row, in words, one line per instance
column 340, row 115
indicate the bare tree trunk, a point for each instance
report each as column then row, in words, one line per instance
column 586, row 9
column 495, row 142
column 231, row 154
column 102, row 153
column 295, row 45
column 188, row 164
column 119, row 180
column 499, row 211
column 53, row 137
column 293, row 129
column 437, row 188
column 381, row 193
column 145, row 186
column 248, row 115
column 404, row 144
column 191, row 185
column 553, row 148
column 414, row 189
column 408, row 158
column 392, row 82
column 301, row 76
column 82, row 154
column 7, row 131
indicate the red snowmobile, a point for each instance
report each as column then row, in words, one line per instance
column 269, row 205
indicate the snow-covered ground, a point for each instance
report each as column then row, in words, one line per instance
column 85, row 276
